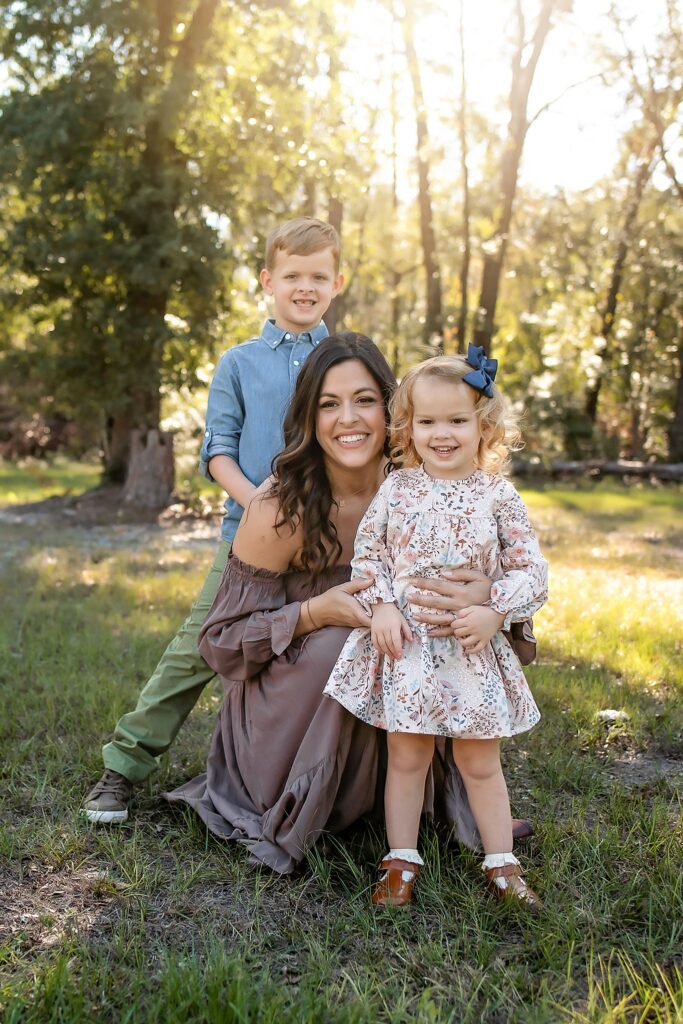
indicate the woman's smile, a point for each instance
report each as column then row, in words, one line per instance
column 352, row 440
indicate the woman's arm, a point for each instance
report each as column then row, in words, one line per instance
column 250, row 623
column 336, row 607
column 258, row 540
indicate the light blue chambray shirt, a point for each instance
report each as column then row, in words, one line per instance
column 248, row 399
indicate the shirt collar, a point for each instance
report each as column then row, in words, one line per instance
column 274, row 335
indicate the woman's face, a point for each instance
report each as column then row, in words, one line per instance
column 350, row 424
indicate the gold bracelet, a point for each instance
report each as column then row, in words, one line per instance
column 308, row 612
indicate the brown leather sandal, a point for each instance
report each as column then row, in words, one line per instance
column 516, row 888
column 393, row 890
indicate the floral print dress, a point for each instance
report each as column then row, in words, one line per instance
column 420, row 526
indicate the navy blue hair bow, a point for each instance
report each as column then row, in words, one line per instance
column 484, row 370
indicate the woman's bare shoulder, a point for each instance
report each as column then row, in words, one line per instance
column 259, row 540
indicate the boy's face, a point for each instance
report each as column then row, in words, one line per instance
column 302, row 288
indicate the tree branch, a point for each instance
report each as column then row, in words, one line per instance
column 542, row 29
column 561, row 95
column 678, row 187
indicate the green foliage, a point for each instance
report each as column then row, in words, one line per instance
column 158, row 164
column 147, row 149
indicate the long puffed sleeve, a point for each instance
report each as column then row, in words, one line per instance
column 523, row 587
column 371, row 556
column 249, row 623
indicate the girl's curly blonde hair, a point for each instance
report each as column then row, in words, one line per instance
column 500, row 433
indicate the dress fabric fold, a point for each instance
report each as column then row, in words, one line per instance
column 287, row 763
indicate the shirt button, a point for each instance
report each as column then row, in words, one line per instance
column 296, row 362
column 287, row 337
column 206, row 433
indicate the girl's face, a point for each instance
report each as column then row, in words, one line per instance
column 350, row 424
column 445, row 428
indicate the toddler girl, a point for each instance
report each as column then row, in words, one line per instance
column 446, row 506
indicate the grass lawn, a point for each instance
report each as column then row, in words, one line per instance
column 157, row 922
column 36, row 479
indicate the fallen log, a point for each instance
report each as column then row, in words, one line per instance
column 596, row 468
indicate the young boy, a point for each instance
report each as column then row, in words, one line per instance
column 248, row 399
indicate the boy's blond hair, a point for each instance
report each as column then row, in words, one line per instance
column 301, row 237
column 500, row 433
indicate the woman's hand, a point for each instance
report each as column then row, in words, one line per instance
column 338, row 607
column 389, row 629
column 436, row 601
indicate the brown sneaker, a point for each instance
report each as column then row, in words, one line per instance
column 107, row 801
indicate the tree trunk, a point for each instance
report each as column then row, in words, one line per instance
column 433, row 326
column 461, row 330
column 335, row 213
column 395, row 351
column 609, row 310
column 117, row 446
column 675, row 431
column 141, row 412
column 145, row 451
column 310, row 197
column 636, row 440
column 494, row 255
column 151, row 469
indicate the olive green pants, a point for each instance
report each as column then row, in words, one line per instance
column 170, row 694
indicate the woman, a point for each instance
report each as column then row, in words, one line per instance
column 286, row 762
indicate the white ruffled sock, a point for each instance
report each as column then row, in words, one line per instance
column 411, row 856
column 498, row 860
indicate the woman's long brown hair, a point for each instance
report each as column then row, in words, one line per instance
column 301, row 484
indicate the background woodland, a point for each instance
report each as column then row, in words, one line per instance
column 146, row 149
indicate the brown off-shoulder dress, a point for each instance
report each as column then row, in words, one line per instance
column 287, row 763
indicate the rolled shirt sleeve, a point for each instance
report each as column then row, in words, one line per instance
column 523, row 586
column 224, row 415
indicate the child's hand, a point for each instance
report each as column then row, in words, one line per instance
column 389, row 629
column 475, row 626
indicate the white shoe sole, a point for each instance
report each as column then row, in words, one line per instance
column 105, row 817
